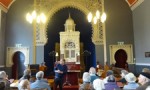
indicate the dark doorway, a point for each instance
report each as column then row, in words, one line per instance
column 120, row 58
column 18, row 65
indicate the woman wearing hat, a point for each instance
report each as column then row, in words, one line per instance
column 131, row 84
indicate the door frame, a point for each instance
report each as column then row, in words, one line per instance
column 11, row 51
column 126, row 47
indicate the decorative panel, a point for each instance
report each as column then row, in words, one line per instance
column 126, row 47
column 12, row 50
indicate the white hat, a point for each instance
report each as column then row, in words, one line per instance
column 98, row 84
column 130, row 77
column 86, row 77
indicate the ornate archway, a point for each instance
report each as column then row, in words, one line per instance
column 53, row 6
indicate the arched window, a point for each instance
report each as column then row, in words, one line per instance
column 70, row 50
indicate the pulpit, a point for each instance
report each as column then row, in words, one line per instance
column 71, row 78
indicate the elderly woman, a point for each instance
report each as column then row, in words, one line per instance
column 92, row 73
column 86, row 82
column 24, row 85
column 98, row 84
column 123, row 74
column 26, row 75
column 4, row 78
column 131, row 84
column 111, row 84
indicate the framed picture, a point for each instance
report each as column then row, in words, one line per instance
column 147, row 54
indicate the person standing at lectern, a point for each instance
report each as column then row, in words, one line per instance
column 60, row 70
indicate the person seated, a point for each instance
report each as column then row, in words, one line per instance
column 109, row 72
column 86, row 82
column 26, row 75
column 98, row 84
column 146, row 70
column 24, row 85
column 144, row 80
column 98, row 66
column 42, row 67
column 39, row 83
column 4, row 78
column 123, row 74
column 131, row 82
column 92, row 73
column 106, row 68
column 111, row 83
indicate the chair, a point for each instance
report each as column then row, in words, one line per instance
column 34, row 69
column 2, row 85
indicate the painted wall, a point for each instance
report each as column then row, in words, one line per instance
column 119, row 25
column 141, row 24
column 19, row 31
column 2, row 38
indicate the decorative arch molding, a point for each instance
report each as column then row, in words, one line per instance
column 53, row 6
column 63, row 5
column 11, row 51
column 126, row 47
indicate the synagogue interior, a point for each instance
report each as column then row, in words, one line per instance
column 87, row 36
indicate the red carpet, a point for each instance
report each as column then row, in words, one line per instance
column 73, row 87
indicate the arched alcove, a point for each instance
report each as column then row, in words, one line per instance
column 18, row 66
column 56, row 24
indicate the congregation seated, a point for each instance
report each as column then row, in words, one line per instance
column 111, row 83
column 4, row 80
column 131, row 82
column 24, row 85
column 40, row 82
column 143, row 80
column 98, row 84
column 86, row 85
column 92, row 73
column 109, row 72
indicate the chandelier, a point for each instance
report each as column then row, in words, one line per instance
column 36, row 15
column 95, row 6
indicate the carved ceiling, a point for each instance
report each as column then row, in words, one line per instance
column 5, row 4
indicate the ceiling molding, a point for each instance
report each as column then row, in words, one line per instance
column 134, row 3
column 3, row 8
column 5, row 4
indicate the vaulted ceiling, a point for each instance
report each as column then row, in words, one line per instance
column 6, row 3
